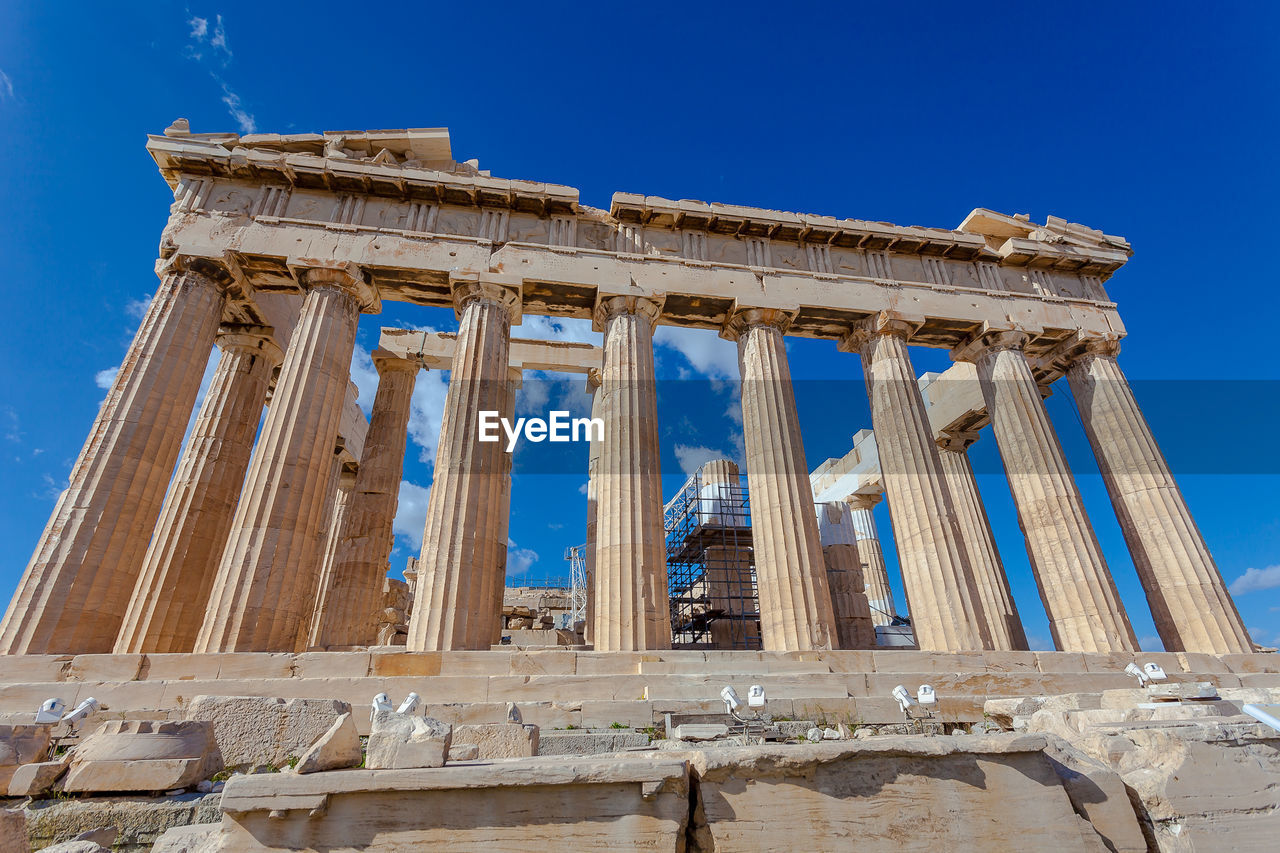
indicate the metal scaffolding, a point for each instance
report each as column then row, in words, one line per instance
column 710, row 573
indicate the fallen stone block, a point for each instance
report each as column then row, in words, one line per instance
column 399, row 742
column 142, row 755
column 34, row 780
column 501, row 740
column 253, row 731
column 337, row 748
column 186, row 839
column 20, row 745
column 589, row 743
column 1098, row 794
column 464, row 752
column 13, row 831
column 139, row 820
column 1002, row 711
column 698, row 731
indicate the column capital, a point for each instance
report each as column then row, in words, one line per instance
column 1077, row 349
column 252, row 338
column 347, row 275
column 608, row 307
column 742, row 318
column 883, row 323
column 594, row 380
column 222, row 272
column 989, row 339
column 385, row 361
column 859, row 500
column 503, row 291
column 957, row 441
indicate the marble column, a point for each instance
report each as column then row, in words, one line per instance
column 352, row 599
column 464, row 541
column 593, row 487
column 632, row 610
column 936, row 575
column 177, row 575
column 495, row 583
column 1080, row 598
column 75, row 592
column 998, row 608
column 328, row 540
column 791, row 576
column 875, row 574
column 264, row 591
column 854, row 627
column 1193, row 611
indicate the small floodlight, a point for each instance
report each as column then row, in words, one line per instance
column 82, row 710
column 410, row 702
column 1154, row 672
column 381, row 702
column 1136, row 671
column 50, row 711
column 904, row 698
column 926, row 695
column 755, row 696
column 731, row 700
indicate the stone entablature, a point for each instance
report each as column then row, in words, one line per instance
column 410, row 227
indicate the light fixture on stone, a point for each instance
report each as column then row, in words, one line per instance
column 732, row 702
column 903, row 698
column 926, row 696
column 83, row 710
column 381, row 702
column 1146, row 674
column 50, row 711
column 409, row 704
column 756, row 697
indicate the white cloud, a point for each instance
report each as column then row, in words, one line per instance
column 519, row 559
column 582, row 490
column 52, row 488
column 104, row 378
column 137, row 308
column 219, row 40
column 12, row 425
column 365, row 375
column 692, row 457
column 540, row 328
column 1151, row 644
column 199, row 27
column 425, row 412
column 704, row 349
column 1255, row 580
column 244, row 119
column 6, row 86
column 411, row 514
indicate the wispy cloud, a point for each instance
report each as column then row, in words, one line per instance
column 1256, row 580
column 411, row 514
column 208, row 40
column 519, row 559
column 6, row 86
column 104, row 378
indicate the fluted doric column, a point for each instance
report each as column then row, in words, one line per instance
column 464, row 541
column 791, row 575
column 172, row 592
column 875, row 574
column 936, row 576
column 854, row 627
column 593, row 488
column 1079, row 594
column 998, row 608
column 264, row 592
column 1189, row 600
column 495, row 583
column 76, row 589
column 352, row 599
column 342, row 483
column 631, row 600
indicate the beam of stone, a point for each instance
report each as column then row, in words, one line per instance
column 177, row 575
column 76, row 589
column 262, row 595
column 795, row 599
column 844, row 573
column 875, row 574
column 998, row 608
column 631, row 599
column 1193, row 610
column 435, row 351
column 465, row 535
column 1085, row 612
column 353, row 597
column 936, row 575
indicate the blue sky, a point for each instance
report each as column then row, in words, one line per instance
column 1155, row 123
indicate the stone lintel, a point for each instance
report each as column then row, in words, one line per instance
column 434, row 350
